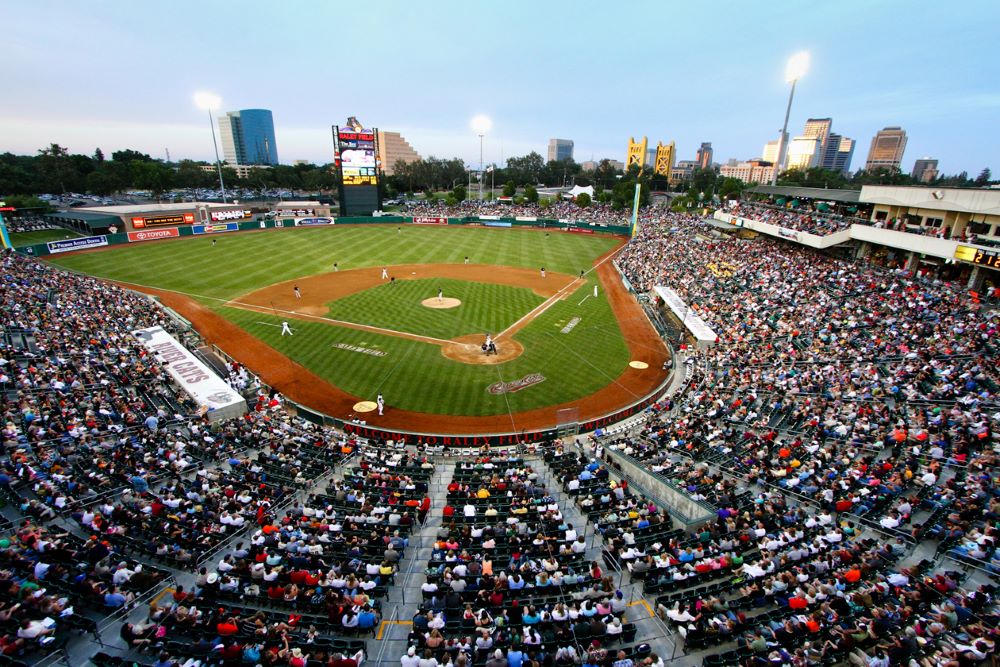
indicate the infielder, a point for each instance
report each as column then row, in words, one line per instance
column 381, row 404
column 285, row 329
column 466, row 259
column 385, row 273
column 298, row 293
column 543, row 272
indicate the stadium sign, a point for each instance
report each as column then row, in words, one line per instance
column 496, row 224
column 153, row 234
column 579, row 230
column 429, row 220
column 216, row 229
column 238, row 214
column 77, row 244
column 308, row 222
column 141, row 222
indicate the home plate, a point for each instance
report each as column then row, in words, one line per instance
column 638, row 364
column 365, row 406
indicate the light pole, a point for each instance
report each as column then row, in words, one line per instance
column 206, row 102
column 794, row 70
column 481, row 124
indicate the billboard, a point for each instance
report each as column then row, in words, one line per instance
column 355, row 152
column 141, row 222
column 153, row 234
column 223, row 216
column 308, row 222
column 77, row 244
column 429, row 220
column 215, row 229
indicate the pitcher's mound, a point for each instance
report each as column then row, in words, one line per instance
column 443, row 302
column 469, row 350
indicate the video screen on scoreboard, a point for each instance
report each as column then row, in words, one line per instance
column 358, row 160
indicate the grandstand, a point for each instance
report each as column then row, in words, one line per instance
column 839, row 439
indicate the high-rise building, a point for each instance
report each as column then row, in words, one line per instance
column 393, row 148
column 704, row 155
column 248, row 137
column 838, row 154
column 751, row 171
column 818, row 128
column 683, row 171
column 770, row 153
column 887, row 149
column 560, row 149
column 803, row 153
column 925, row 170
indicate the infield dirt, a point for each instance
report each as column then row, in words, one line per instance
column 303, row 386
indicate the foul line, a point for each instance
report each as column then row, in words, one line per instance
column 268, row 324
column 583, row 299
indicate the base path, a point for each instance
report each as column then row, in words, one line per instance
column 303, row 386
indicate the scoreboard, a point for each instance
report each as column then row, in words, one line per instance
column 356, row 160
column 978, row 256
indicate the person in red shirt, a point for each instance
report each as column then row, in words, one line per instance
column 298, row 576
column 449, row 511
column 227, row 627
column 425, row 507
column 276, row 592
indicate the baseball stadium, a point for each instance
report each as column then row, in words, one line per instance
column 362, row 406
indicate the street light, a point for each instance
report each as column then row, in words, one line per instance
column 796, row 68
column 206, row 102
column 481, row 124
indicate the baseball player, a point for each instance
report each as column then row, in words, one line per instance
column 385, row 273
column 466, row 259
column 381, row 404
column 440, row 295
column 543, row 272
column 298, row 293
column 285, row 329
column 335, row 267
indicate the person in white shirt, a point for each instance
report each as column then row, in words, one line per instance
column 570, row 533
column 410, row 659
column 469, row 510
column 429, row 587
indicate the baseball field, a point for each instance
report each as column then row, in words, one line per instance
column 404, row 311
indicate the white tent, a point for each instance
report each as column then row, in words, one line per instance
column 589, row 190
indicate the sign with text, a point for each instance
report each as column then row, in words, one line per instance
column 216, row 229
column 222, row 216
column 429, row 220
column 77, row 244
column 154, row 234
column 309, row 222
column 141, row 222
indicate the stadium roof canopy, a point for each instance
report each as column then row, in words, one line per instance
column 823, row 194
column 85, row 219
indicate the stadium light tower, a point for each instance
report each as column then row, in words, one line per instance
column 481, row 124
column 796, row 68
column 206, row 102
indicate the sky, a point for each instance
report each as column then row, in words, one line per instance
column 117, row 74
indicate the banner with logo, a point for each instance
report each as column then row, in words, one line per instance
column 492, row 223
column 77, row 244
column 223, row 216
column 579, row 230
column 429, row 220
column 197, row 380
column 216, row 229
column 154, row 234
column 308, row 222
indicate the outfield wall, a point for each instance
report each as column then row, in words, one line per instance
column 213, row 229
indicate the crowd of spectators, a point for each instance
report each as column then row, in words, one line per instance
column 566, row 210
column 799, row 219
column 28, row 223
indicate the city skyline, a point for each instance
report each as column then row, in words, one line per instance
column 127, row 99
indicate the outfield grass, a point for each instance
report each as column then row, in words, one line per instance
column 18, row 239
column 485, row 308
column 412, row 375
column 244, row 262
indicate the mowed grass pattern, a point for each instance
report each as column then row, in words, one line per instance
column 416, row 376
column 18, row 239
column 485, row 308
column 412, row 375
column 241, row 263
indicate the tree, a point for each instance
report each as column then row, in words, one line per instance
column 983, row 179
column 583, row 200
column 54, row 165
column 730, row 186
column 531, row 194
column 525, row 170
column 130, row 155
column 509, row 189
column 98, row 155
column 458, row 192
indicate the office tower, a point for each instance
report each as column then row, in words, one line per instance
column 393, row 148
column 838, row 154
column 704, row 155
column 887, row 149
column 560, row 149
column 248, row 137
column 925, row 170
column 770, row 153
column 803, row 153
column 818, row 128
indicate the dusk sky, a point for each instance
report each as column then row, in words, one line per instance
column 122, row 74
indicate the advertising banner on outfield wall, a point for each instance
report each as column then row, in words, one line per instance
column 309, row 222
column 579, row 230
column 216, row 229
column 429, row 220
column 216, row 398
column 496, row 224
column 153, row 234
column 77, row 244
